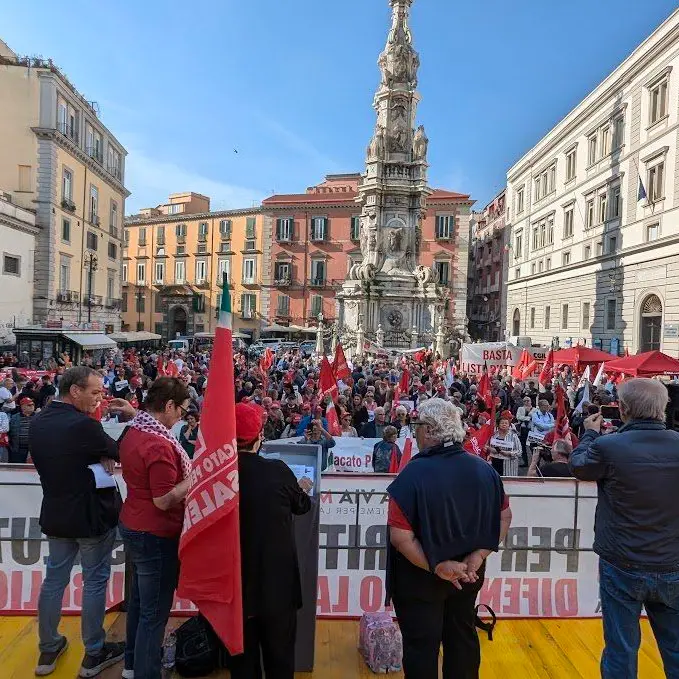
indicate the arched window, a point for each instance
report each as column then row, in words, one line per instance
column 651, row 323
column 516, row 323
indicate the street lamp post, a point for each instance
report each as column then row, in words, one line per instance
column 139, row 298
column 91, row 264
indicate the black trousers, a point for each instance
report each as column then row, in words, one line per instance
column 269, row 640
column 448, row 619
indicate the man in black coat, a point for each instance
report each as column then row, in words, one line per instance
column 77, row 517
column 272, row 594
column 636, row 533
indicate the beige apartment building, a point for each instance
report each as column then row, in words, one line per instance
column 59, row 160
column 174, row 260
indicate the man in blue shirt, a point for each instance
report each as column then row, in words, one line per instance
column 543, row 420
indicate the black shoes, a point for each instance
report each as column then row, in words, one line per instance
column 47, row 662
column 110, row 654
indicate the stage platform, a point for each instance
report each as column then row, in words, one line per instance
column 530, row 649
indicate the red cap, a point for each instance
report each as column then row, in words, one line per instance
column 25, row 400
column 248, row 422
column 506, row 415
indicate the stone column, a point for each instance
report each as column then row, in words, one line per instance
column 360, row 338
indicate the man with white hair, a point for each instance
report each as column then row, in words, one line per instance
column 636, row 532
column 447, row 512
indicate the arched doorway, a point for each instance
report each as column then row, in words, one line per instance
column 516, row 323
column 651, row 324
column 177, row 322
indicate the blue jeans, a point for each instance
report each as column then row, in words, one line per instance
column 623, row 593
column 95, row 557
column 155, row 573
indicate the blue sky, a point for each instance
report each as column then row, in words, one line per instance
column 289, row 83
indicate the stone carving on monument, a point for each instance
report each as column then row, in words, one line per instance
column 420, row 144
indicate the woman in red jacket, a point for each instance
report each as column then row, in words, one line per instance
column 156, row 470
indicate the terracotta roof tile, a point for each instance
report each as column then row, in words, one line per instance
column 345, row 197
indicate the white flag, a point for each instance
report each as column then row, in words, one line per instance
column 584, row 399
column 585, row 377
column 599, row 376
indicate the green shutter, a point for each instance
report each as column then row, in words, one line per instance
column 326, row 225
column 279, row 222
column 254, row 304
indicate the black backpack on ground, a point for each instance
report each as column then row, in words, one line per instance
column 199, row 650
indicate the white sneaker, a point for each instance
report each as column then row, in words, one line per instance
column 128, row 674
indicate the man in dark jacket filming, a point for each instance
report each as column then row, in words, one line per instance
column 637, row 526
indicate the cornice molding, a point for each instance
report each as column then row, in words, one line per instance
column 18, row 225
column 136, row 220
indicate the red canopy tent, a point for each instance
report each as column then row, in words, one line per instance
column 647, row 364
column 581, row 356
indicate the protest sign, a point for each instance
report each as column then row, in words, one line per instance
column 473, row 357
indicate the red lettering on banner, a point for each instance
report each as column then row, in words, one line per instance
column 547, row 597
column 368, row 460
column 566, row 595
column 34, row 592
column 342, row 605
column 326, row 498
column 530, row 592
column 371, row 594
column 77, row 601
column 116, row 589
column 512, row 593
column 491, row 593
column 17, row 579
column 3, row 590
column 323, row 600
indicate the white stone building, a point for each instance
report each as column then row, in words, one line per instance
column 17, row 249
column 593, row 212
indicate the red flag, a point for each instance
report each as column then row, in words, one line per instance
column 517, row 370
column 393, row 461
column 404, row 383
column 529, row 366
column 547, row 369
column 483, row 390
column 407, row 453
column 328, row 387
column 339, row 366
column 172, row 369
column 209, row 549
column 563, row 427
column 161, row 366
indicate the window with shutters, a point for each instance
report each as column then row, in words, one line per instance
column 355, row 233
column 571, row 164
column 283, row 307
column 67, row 185
column 285, row 229
column 658, row 100
column 66, row 230
column 603, row 207
column 589, row 212
column 585, row 315
column 223, row 267
column 180, row 271
column 520, row 199
column 201, row 271
column 141, row 273
column 159, row 273
column 548, row 313
column 443, row 272
column 113, row 219
column 225, row 228
column 316, row 305
column 532, row 318
column 282, row 273
column 64, row 274
column 568, row 221
column 656, row 182
column 180, row 232
column 248, row 305
column 611, row 307
column 250, row 224
column 203, row 231
column 112, row 251
column 160, row 235
column 175, row 209
column 616, row 203
column 518, row 245
column 319, row 226
column 11, row 265
column 124, row 273
column 444, row 227
column 92, row 240
column 564, row 316
column 142, row 235
column 317, row 272
column 249, row 270
column 94, row 204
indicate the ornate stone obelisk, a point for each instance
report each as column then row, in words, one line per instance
column 389, row 296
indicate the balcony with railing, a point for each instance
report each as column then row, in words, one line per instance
column 283, row 281
column 181, row 239
column 68, row 204
column 93, row 300
column 94, row 218
column 114, row 171
column 95, row 153
column 113, row 231
column 317, row 282
column 68, row 130
column 113, row 303
column 67, row 296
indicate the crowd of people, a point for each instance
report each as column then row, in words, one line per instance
column 448, row 510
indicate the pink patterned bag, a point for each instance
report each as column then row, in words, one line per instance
column 380, row 643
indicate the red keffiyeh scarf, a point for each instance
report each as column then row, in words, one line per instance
column 146, row 423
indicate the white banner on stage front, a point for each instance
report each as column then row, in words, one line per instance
column 545, row 569
column 473, row 357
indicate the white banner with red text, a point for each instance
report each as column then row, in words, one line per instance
column 473, row 357
column 545, row 569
